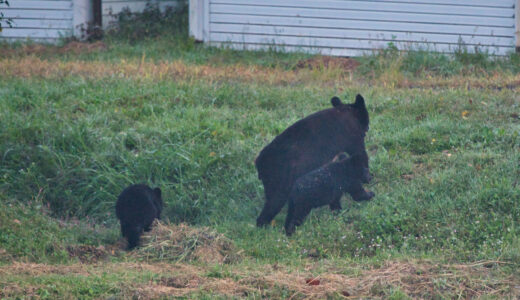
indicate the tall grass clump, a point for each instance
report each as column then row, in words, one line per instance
column 391, row 62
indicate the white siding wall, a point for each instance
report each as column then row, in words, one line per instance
column 38, row 19
column 111, row 7
column 49, row 20
column 352, row 27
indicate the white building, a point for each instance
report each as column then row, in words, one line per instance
column 351, row 27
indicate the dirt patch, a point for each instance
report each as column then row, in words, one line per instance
column 180, row 282
column 88, row 253
column 174, row 287
column 4, row 256
column 32, row 269
column 175, row 243
column 417, row 279
column 78, row 47
column 11, row 290
column 321, row 62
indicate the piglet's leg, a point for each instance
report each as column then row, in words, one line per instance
column 358, row 193
column 300, row 212
column 335, row 204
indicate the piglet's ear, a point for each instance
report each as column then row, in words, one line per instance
column 157, row 192
column 336, row 102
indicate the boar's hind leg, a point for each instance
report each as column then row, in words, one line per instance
column 272, row 207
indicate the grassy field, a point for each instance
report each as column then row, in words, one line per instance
column 79, row 122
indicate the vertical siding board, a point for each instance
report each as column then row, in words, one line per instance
column 517, row 25
column 340, row 27
column 206, row 23
column 196, row 18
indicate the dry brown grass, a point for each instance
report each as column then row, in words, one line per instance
column 417, row 279
column 320, row 72
column 73, row 47
column 32, row 66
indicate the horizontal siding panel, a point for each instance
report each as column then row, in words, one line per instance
column 359, row 34
column 486, row 3
column 38, row 14
column 330, row 51
column 46, row 5
column 385, row 6
column 42, row 23
column 24, row 39
column 334, row 42
column 34, row 33
column 362, row 25
column 360, row 15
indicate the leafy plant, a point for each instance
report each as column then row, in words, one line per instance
column 151, row 22
column 3, row 19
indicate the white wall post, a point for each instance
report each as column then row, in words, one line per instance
column 199, row 20
column 517, row 25
column 82, row 14
column 196, row 19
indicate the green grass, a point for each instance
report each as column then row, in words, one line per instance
column 78, row 143
column 445, row 163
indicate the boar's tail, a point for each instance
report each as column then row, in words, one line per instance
column 261, row 162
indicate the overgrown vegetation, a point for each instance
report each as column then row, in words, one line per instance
column 151, row 23
column 78, row 123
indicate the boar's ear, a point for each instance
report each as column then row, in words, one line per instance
column 360, row 102
column 336, row 102
column 362, row 113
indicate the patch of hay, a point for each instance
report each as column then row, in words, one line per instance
column 416, row 279
column 87, row 253
column 34, row 269
column 321, row 62
column 175, row 243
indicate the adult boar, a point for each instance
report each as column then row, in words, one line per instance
column 307, row 145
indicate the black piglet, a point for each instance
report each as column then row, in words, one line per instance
column 136, row 208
